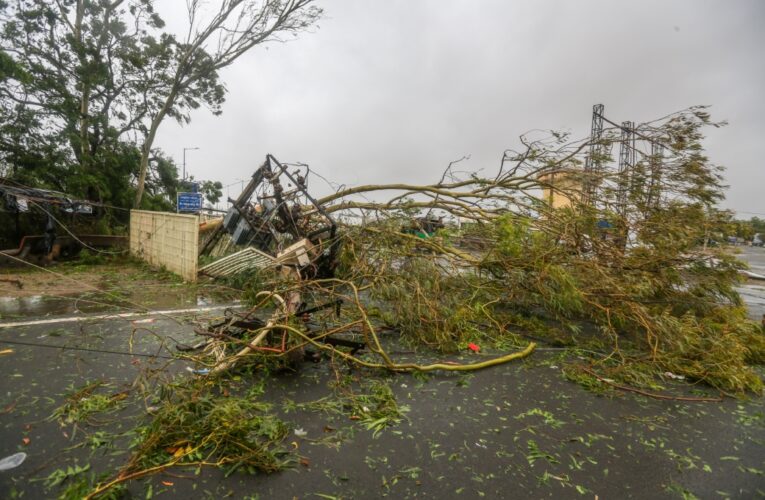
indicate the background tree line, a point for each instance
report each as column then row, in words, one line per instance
column 746, row 229
column 86, row 84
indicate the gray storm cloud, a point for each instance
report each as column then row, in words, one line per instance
column 388, row 91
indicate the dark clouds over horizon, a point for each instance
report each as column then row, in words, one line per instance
column 392, row 91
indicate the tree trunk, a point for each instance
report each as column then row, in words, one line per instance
column 145, row 152
column 146, row 149
column 84, row 141
column 85, row 96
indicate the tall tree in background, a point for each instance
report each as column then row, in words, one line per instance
column 758, row 224
column 85, row 85
column 213, row 42
column 69, row 76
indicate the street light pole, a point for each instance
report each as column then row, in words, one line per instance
column 184, row 160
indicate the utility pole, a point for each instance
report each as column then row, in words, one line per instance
column 184, row 160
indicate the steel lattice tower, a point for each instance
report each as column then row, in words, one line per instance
column 626, row 163
column 592, row 164
column 654, row 187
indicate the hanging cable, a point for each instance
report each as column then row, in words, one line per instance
column 75, row 236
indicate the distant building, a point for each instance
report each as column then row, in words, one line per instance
column 561, row 188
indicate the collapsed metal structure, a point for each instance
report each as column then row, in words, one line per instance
column 283, row 221
column 276, row 215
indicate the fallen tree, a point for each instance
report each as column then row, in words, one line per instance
column 625, row 267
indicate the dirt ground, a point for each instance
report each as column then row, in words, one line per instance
column 42, row 283
column 520, row 430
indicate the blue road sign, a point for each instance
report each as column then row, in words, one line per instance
column 189, row 202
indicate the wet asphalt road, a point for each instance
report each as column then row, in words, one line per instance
column 755, row 257
column 515, row 431
column 753, row 292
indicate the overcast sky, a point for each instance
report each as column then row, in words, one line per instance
column 393, row 90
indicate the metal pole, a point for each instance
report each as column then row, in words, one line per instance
column 184, row 160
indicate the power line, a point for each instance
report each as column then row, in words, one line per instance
column 87, row 349
column 75, row 236
column 3, row 181
column 623, row 128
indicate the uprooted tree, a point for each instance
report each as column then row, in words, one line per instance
column 624, row 267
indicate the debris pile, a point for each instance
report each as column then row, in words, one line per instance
column 238, row 262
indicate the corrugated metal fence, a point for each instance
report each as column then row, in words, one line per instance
column 166, row 239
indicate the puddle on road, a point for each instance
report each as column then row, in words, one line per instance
column 36, row 306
